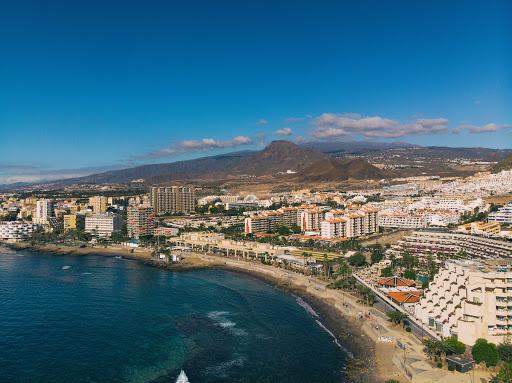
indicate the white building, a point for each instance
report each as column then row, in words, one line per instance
column 503, row 215
column 14, row 231
column 402, row 220
column 103, row 225
column 423, row 243
column 43, row 211
column 470, row 300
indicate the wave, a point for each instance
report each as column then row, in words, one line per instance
column 335, row 340
column 220, row 370
column 66, row 267
column 221, row 320
column 314, row 314
column 306, row 306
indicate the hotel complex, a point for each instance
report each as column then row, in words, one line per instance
column 172, row 199
column 470, row 300
column 140, row 221
column 442, row 242
column 103, row 225
column 315, row 220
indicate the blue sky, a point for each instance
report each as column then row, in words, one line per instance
column 86, row 86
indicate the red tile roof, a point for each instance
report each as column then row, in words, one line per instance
column 405, row 296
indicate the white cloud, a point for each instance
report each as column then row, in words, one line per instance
column 488, row 128
column 284, row 132
column 203, row 144
column 262, row 121
column 335, row 125
column 10, row 173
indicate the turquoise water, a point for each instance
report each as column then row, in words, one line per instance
column 101, row 319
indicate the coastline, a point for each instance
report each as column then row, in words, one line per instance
column 371, row 362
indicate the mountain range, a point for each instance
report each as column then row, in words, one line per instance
column 285, row 161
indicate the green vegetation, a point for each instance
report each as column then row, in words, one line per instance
column 468, row 218
column 484, row 351
column 377, row 254
column 409, row 274
column 396, row 316
column 439, row 349
column 386, row 272
column 505, row 350
column 357, row 260
column 504, row 375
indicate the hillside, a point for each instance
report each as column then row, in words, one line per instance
column 278, row 156
column 332, row 169
column 505, row 164
column 314, row 161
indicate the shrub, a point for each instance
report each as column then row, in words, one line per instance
column 484, row 351
column 357, row 260
column 408, row 329
column 505, row 351
column 409, row 274
column 439, row 365
column 453, row 346
column 386, row 272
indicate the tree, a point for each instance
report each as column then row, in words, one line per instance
column 504, row 375
column 386, row 272
column 357, row 260
column 505, row 350
column 327, row 266
column 430, row 347
column 453, row 346
column 408, row 261
column 283, row 230
column 484, row 351
column 305, row 255
column 377, row 254
column 344, row 270
column 396, row 316
column 409, row 274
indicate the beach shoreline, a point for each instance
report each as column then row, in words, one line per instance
column 371, row 361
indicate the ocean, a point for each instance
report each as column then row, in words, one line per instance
column 106, row 319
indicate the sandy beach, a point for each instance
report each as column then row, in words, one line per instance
column 339, row 312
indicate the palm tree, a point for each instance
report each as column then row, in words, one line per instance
column 343, row 270
column 430, row 347
column 396, row 316
column 326, row 265
column 305, row 255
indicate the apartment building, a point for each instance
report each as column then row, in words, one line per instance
column 310, row 219
column 431, row 242
column 43, row 211
column 99, row 204
column 172, row 199
column 15, row 231
column 103, row 225
column 402, row 220
column 334, row 228
column 487, row 229
column 269, row 220
column 140, row 221
column 470, row 299
column 265, row 222
column 503, row 215
column 73, row 222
